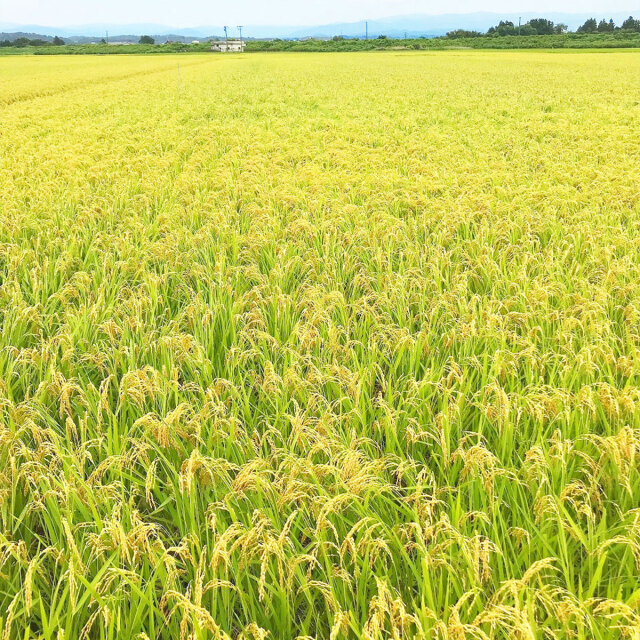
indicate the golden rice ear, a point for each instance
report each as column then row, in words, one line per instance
column 349, row 349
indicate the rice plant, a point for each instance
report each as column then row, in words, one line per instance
column 332, row 346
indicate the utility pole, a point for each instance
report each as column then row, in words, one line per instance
column 240, row 30
column 366, row 30
column 226, row 40
column 405, row 35
column 107, row 37
column 519, row 24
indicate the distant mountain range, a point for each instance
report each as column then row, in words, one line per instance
column 417, row 25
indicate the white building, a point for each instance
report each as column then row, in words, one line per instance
column 228, row 45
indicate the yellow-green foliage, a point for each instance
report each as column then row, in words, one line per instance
column 330, row 346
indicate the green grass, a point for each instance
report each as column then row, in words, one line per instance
column 618, row 40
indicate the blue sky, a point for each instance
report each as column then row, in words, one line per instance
column 185, row 13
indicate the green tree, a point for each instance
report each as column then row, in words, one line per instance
column 542, row 26
column 605, row 27
column 504, row 28
column 631, row 24
column 560, row 28
column 463, row 33
column 146, row 40
column 590, row 26
column 526, row 30
column 57, row 41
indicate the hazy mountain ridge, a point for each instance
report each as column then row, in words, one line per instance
column 420, row 24
column 414, row 25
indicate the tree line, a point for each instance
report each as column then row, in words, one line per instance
column 55, row 42
column 544, row 27
column 35, row 42
column 593, row 26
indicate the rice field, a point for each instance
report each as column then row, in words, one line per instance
column 320, row 346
